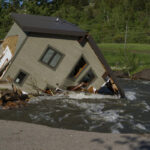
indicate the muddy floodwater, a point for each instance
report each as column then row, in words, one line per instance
column 91, row 112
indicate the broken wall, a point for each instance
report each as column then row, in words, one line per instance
column 11, row 42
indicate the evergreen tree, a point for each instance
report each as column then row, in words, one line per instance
column 104, row 19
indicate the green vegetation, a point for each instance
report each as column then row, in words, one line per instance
column 130, row 46
column 105, row 20
column 114, row 53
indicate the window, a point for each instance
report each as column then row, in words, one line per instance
column 20, row 77
column 89, row 77
column 51, row 57
column 80, row 66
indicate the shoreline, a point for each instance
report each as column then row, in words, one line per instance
column 20, row 135
column 142, row 75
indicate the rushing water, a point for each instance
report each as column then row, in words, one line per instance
column 91, row 112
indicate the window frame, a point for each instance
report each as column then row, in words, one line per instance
column 95, row 76
column 50, row 60
column 27, row 74
column 75, row 79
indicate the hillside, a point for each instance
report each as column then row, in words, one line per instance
column 106, row 20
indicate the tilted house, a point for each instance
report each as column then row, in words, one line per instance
column 51, row 52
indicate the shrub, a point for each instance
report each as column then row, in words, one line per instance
column 118, row 38
column 129, row 62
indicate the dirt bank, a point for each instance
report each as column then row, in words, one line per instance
column 120, row 74
column 142, row 75
column 25, row 136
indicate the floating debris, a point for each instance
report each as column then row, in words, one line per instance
column 13, row 98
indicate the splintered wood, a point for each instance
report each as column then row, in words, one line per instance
column 8, row 50
column 11, row 42
column 13, row 98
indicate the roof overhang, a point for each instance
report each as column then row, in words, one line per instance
column 53, row 31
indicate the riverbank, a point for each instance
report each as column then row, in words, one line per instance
column 20, row 135
column 142, row 75
column 114, row 54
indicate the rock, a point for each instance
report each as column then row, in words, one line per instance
column 142, row 75
column 120, row 74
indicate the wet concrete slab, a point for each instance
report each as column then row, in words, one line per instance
column 19, row 135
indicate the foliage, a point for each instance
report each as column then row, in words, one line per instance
column 138, row 53
column 104, row 19
column 118, row 38
column 129, row 62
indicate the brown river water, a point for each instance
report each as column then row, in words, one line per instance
column 90, row 112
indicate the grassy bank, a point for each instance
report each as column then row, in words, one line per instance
column 113, row 53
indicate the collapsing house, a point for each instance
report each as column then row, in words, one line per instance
column 41, row 51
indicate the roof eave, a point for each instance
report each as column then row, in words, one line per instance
column 53, row 31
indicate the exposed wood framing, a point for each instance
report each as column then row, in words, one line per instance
column 11, row 42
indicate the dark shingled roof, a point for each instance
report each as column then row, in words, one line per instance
column 45, row 24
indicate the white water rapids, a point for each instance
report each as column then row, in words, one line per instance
column 92, row 112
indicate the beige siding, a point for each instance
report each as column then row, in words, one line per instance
column 94, row 64
column 33, row 49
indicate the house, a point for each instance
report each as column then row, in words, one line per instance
column 49, row 52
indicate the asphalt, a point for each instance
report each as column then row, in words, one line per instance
column 25, row 136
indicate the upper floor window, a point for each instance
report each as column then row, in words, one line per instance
column 51, row 57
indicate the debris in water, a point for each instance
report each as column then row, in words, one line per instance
column 13, row 98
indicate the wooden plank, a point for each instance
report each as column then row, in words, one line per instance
column 11, row 42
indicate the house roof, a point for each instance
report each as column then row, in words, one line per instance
column 46, row 24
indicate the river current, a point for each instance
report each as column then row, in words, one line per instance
column 97, row 113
